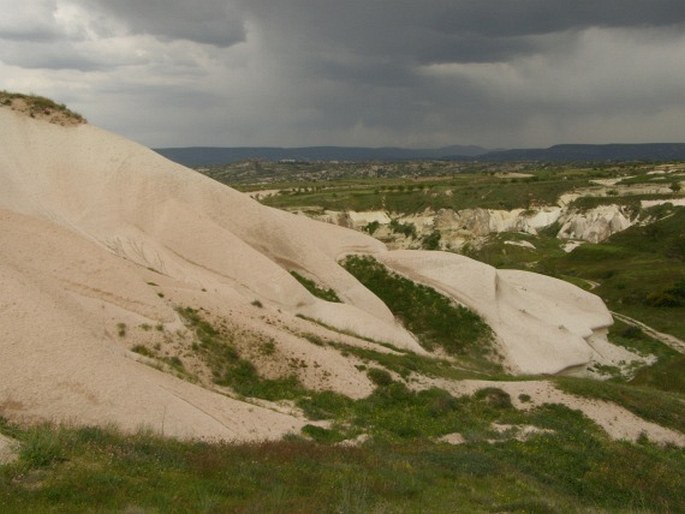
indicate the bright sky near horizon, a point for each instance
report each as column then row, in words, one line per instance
column 496, row 73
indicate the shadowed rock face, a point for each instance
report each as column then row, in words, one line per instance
column 99, row 232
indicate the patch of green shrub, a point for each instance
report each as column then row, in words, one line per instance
column 406, row 229
column 380, row 377
column 673, row 296
column 325, row 294
column 431, row 241
column 371, row 227
column 322, row 435
column 432, row 317
column 43, row 445
column 143, row 350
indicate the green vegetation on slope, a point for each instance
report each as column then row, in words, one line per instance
column 432, row 317
column 666, row 409
column 230, row 369
column 460, row 191
column 327, row 294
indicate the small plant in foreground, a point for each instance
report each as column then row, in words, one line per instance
column 43, row 445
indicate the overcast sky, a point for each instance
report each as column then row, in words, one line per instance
column 421, row 73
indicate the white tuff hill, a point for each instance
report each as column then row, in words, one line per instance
column 101, row 239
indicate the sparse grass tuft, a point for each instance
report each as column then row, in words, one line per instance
column 143, row 350
column 39, row 106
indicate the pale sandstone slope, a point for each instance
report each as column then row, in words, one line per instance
column 85, row 215
column 543, row 324
column 157, row 214
column 89, row 219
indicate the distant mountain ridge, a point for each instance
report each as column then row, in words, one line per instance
column 208, row 156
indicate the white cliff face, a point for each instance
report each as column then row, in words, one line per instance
column 594, row 225
column 542, row 324
column 473, row 225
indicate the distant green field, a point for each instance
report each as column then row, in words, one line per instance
column 463, row 191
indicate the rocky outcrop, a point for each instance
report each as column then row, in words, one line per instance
column 595, row 225
column 474, row 226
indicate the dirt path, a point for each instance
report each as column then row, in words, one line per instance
column 672, row 341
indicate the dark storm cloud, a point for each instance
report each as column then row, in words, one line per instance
column 453, row 31
column 213, row 22
column 363, row 72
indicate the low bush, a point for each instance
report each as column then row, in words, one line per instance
column 380, row 377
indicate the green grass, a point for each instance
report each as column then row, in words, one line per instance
column 432, row 317
column 232, row 370
column 575, row 469
column 667, row 374
column 406, row 364
column 325, row 294
column 664, row 408
column 460, row 191
column 496, row 252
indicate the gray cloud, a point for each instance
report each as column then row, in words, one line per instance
column 213, row 22
column 372, row 72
